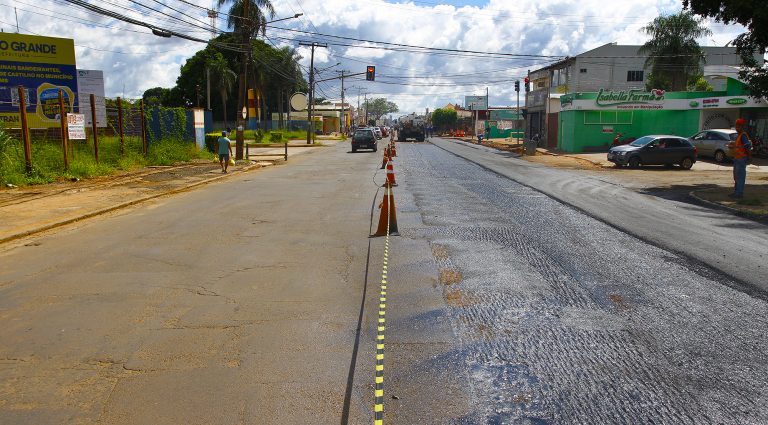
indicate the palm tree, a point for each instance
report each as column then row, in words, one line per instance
column 225, row 79
column 257, row 21
column 674, row 56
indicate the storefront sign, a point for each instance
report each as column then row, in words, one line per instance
column 43, row 66
column 607, row 129
column 76, row 126
column 710, row 103
column 736, row 101
column 634, row 99
column 671, row 101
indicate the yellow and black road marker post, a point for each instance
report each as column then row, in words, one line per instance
column 378, row 404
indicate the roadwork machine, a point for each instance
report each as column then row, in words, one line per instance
column 410, row 126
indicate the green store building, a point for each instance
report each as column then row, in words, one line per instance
column 590, row 121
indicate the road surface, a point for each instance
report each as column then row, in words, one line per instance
column 255, row 301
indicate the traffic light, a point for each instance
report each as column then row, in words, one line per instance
column 527, row 84
column 370, row 73
column 517, row 85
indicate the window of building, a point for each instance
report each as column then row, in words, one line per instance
column 634, row 75
column 583, row 71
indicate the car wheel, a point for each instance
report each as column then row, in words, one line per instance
column 634, row 162
column 686, row 163
column 354, row 149
column 617, row 165
column 375, row 148
column 719, row 156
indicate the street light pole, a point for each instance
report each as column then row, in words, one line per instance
column 310, row 101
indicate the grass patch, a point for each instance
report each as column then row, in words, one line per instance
column 48, row 158
column 751, row 202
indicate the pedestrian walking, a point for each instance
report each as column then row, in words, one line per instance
column 225, row 151
column 742, row 152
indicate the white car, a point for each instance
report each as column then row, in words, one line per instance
column 714, row 143
column 378, row 132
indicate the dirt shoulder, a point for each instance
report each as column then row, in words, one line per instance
column 707, row 182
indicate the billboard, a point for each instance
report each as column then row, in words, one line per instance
column 43, row 66
column 91, row 82
column 476, row 103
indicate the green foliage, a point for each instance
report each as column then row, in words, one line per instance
column 48, row 161
column 444, row 118
column 656, row 81
column 753, row 42
column 276, row 137
column 380, row 106
column 172, row 123
column 699, row 83
column 673, row 53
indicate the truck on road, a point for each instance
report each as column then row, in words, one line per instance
column 410, row 126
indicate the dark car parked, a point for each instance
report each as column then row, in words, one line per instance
column 655, row 150
column 364, row 138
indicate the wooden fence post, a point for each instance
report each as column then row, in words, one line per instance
column 95, row 128
column 144, row 145
column 64, row 132
column 120, row 125
column 25, row 130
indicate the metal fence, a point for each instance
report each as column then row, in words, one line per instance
column 109, row 129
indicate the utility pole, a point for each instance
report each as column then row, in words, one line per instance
column 310, row 101
column 365, row 97
column 247, row 28
column 343, row 119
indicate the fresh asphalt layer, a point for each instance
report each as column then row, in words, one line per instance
column 736, row 246
column 564, row 319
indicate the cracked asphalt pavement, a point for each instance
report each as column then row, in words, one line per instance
column 564, row 319
column 254, row 300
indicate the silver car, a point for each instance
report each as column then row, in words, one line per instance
column 377, row 131
column 713, row 143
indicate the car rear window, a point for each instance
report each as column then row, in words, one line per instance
column 364, row 133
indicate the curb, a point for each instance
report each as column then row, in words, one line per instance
column 737, row 212
column 120, row 206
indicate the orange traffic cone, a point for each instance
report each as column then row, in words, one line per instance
column 393, row 151
column 386, row 158
column 388, row 216
column 391, row 174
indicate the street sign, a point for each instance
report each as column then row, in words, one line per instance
column 299, row 101
column 91, row 82
column 76, row 126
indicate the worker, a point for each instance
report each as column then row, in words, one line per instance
column 741, row 149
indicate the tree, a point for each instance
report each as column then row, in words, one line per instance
column 752, row 14
column 444, row 118
column 224, row 78
column 379, row 107
column 155, row 96
column 257, row 22
column 673, row 53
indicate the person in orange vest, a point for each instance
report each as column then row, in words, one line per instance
column 742, row 151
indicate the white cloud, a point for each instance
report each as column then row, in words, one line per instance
column 137, row 60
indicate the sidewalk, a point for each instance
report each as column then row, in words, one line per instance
column 33, row 209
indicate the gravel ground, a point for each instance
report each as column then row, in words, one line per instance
column 566, row 320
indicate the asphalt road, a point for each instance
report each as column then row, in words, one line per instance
column 254, row 300
column 564, row 319
column 736, row 246
column 236, row 303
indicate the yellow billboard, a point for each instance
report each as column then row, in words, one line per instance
column 42, row 66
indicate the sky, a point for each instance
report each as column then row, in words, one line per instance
column 133, row 59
